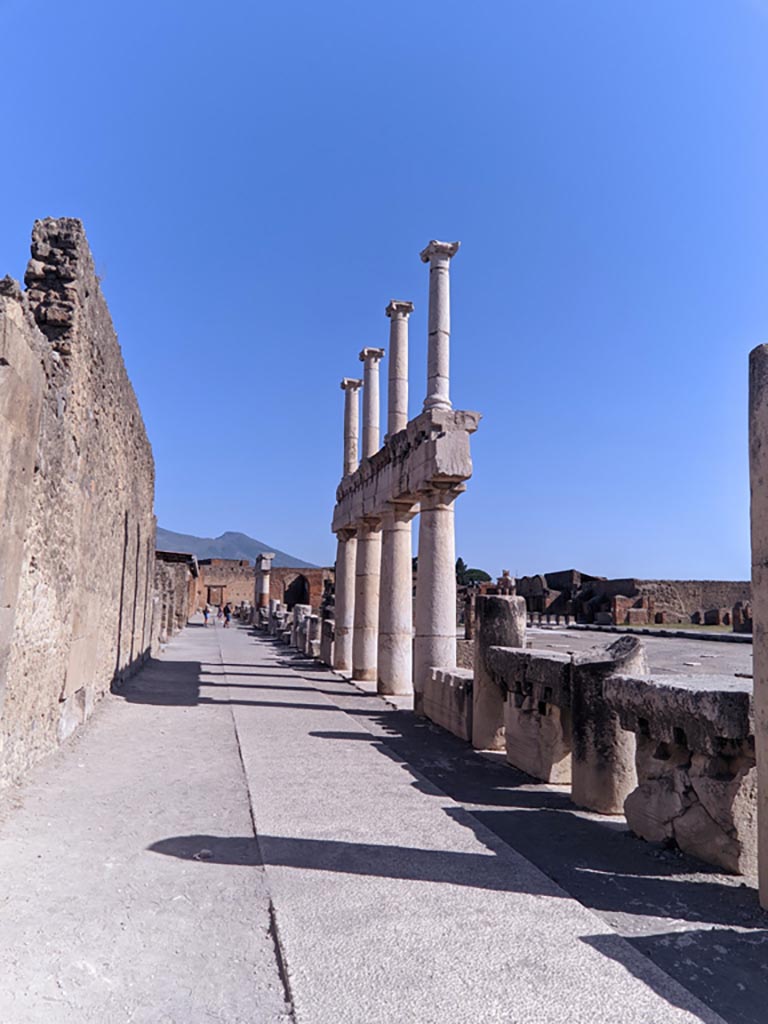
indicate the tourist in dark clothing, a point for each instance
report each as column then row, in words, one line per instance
column 227, row 614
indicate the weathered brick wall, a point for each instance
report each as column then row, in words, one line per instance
column 77, row 477
column 282, row 579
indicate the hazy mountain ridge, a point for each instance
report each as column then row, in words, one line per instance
column 229, row 545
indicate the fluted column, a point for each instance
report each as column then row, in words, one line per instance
column 397, row 397
column 435, row 642
column 395, row 647
column 366, row 618
column 439, row 256
column 350, row 386
column 370, row 358
column 263, row 570
column 344, row 606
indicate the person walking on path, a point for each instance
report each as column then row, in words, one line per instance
column 206, row 613
column 227, row 615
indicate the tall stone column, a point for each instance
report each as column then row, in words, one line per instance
column 758, row 471
column 344, row 608
column 366, row 629
column 435, row 642
column 395, row 647
column 439, row 256
column 397, row 398
column 263, row 570
column 350, row 386
column 370, row 358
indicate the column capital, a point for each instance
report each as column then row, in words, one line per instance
column 350, row 384
column 399, row 309
column 371, row 353
column 402, row 510
column 440, row 251
column 346, row 534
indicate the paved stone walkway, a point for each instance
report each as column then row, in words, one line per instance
column 241, row 836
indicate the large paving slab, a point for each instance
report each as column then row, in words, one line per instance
column 392, row 902
column 97, row 928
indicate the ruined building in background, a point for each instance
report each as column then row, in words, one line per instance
column 77, row 549
column 636, row 602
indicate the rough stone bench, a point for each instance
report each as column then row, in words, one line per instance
column 697, row 782
column 558, row 725
column 447, row 700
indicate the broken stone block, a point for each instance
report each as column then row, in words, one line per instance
column 537, row 712
column 448, row 700
column 500, row 622
column 603, row 754
column 695, row 765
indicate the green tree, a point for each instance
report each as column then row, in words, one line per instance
column 476, row 576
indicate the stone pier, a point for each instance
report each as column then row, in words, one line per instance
column 758, row 459
column 263, row 570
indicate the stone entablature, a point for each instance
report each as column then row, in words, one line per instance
column 431, row 453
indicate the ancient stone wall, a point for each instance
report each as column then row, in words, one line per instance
column 77, row 479
column 225, row 579
column 176, row 591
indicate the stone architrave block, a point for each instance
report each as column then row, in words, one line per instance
column 537, row 713
column 448, row 700
column 433, row 450
column 696, row 776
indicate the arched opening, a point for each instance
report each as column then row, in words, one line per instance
column 296, row 592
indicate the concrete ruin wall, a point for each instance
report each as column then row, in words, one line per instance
column 77, row 488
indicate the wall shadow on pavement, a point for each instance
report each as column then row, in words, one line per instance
column 475, row 870
column 166, row 683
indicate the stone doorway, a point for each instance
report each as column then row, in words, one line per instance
column 296, row 592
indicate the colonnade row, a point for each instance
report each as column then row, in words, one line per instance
column 375, row 638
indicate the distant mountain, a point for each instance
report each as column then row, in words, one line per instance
column 228, row 545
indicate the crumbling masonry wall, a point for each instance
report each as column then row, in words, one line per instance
column 76, row 489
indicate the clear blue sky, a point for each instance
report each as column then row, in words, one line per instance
column 257, row 180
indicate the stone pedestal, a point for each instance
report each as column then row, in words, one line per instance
column 346, row 558
column 366, row 617
column 395, row 644
column 435, row 640
column 500, row 622
column 300, row 612
column 603, row 754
